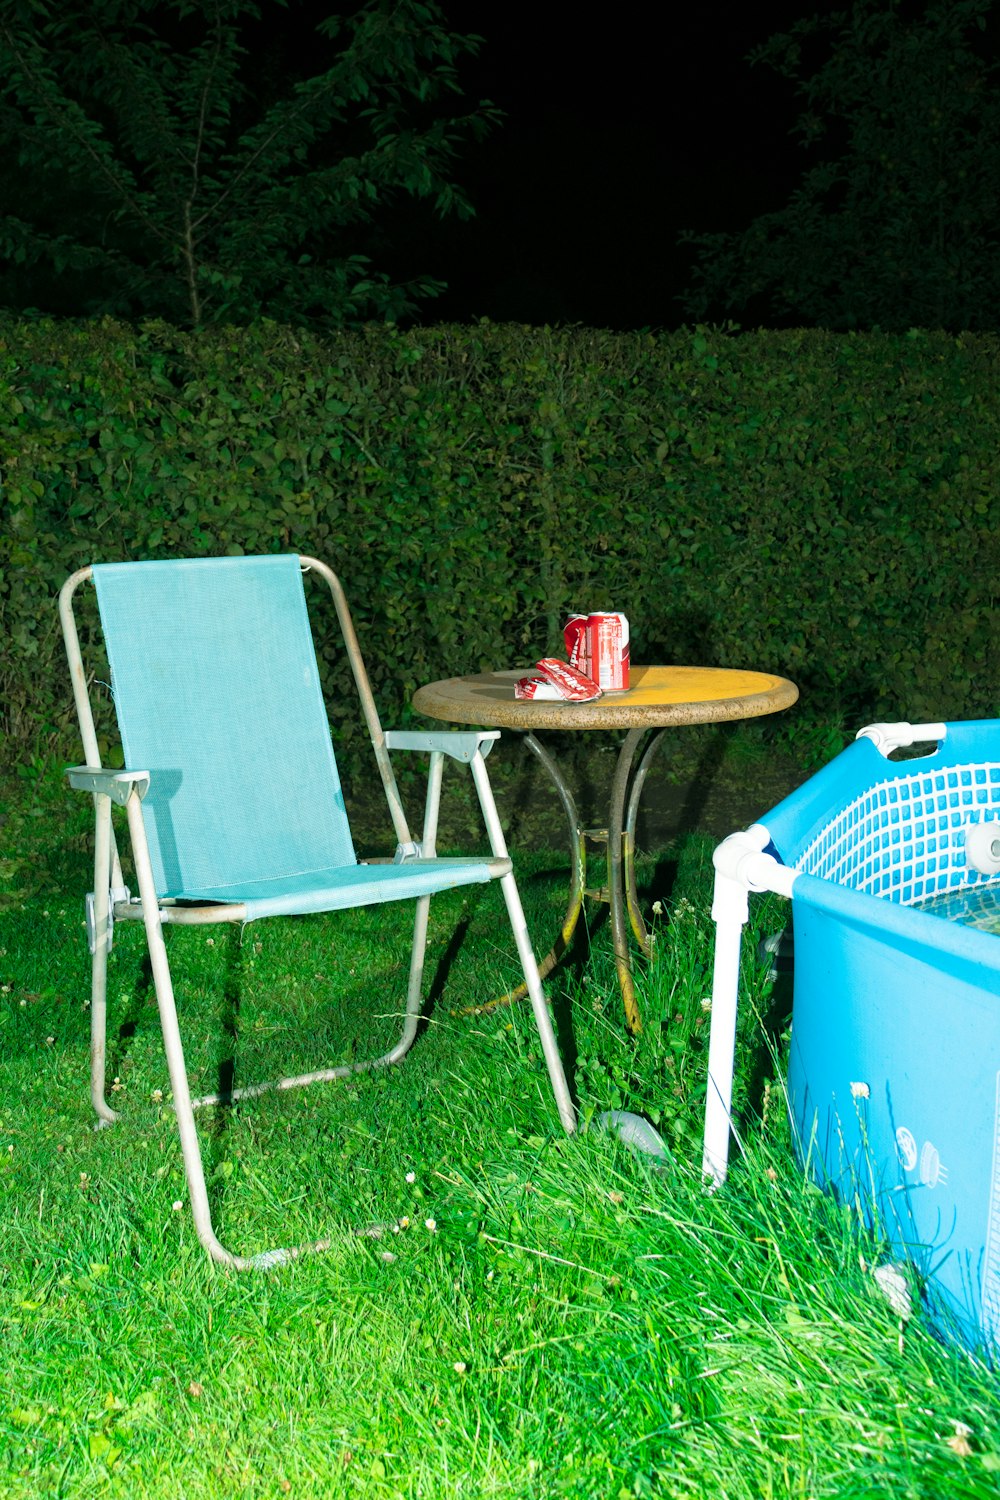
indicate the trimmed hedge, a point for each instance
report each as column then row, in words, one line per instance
column 824, row 506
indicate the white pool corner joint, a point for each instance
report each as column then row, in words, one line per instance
column 889, row 737
column 741, row 866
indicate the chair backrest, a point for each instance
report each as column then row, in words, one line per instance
column 217, row 693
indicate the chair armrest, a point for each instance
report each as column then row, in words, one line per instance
column 460, row 744
column 118, row 785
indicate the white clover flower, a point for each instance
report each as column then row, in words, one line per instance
column 895, row 1288
column 177, row 1205
column 459, row 1367
column 411, row 1176
column 430, row 1224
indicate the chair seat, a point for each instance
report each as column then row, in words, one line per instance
column 347, row 885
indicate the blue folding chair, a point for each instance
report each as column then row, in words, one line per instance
column 234, row 804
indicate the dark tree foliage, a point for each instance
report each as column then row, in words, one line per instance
column 895, row 221
column 183, row 159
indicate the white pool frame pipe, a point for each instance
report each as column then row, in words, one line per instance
column 741, row 866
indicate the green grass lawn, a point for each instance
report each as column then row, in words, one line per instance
column 543, row 1316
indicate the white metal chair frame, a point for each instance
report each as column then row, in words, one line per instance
column 111, row 901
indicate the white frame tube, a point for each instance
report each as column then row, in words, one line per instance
column 741, row 866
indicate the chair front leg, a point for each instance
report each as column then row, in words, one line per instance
column 191, row 1151
column 525, row 952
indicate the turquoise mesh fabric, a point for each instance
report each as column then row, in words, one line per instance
column 217, row 694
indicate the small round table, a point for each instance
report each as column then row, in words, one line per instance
column 658, row 699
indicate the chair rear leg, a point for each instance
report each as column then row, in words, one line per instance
column 428, row 848
column 99, row 962
column 395, row 1054
column 414, row 989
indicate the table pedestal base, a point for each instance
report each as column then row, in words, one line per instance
column 620, row 892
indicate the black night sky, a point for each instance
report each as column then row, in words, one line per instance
column 619, row 133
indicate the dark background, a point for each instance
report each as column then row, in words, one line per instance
column 618, row 135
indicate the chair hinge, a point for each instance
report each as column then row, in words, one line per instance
column 405, row 852
column 117, row 893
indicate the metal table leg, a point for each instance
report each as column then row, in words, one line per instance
column 621, row 892
column 616, row 876
column 631, row 898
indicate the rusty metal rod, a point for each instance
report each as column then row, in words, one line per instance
column 635, row 795
column 616, row 876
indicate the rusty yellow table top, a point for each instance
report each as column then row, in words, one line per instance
column 657, row 698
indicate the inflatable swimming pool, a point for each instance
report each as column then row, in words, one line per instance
column 894, row 1068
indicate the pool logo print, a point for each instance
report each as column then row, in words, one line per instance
column 906, row 1148
column 932, row 1173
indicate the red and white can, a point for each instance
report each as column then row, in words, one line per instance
column 577, row 638
column 598, row 645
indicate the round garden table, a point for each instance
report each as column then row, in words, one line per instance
column 658, row 699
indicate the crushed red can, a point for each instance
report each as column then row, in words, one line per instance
column 598, row 645
column 557, row 681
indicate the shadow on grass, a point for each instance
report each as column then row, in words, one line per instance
column 439, row 983
column 229, row 1014
column 143, row 995
column 761, row 1067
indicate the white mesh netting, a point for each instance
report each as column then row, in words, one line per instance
column 904, row 839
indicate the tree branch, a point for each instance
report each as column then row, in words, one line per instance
column 189, row 261
column 131, row 203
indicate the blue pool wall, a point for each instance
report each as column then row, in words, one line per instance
column 894, row 1070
